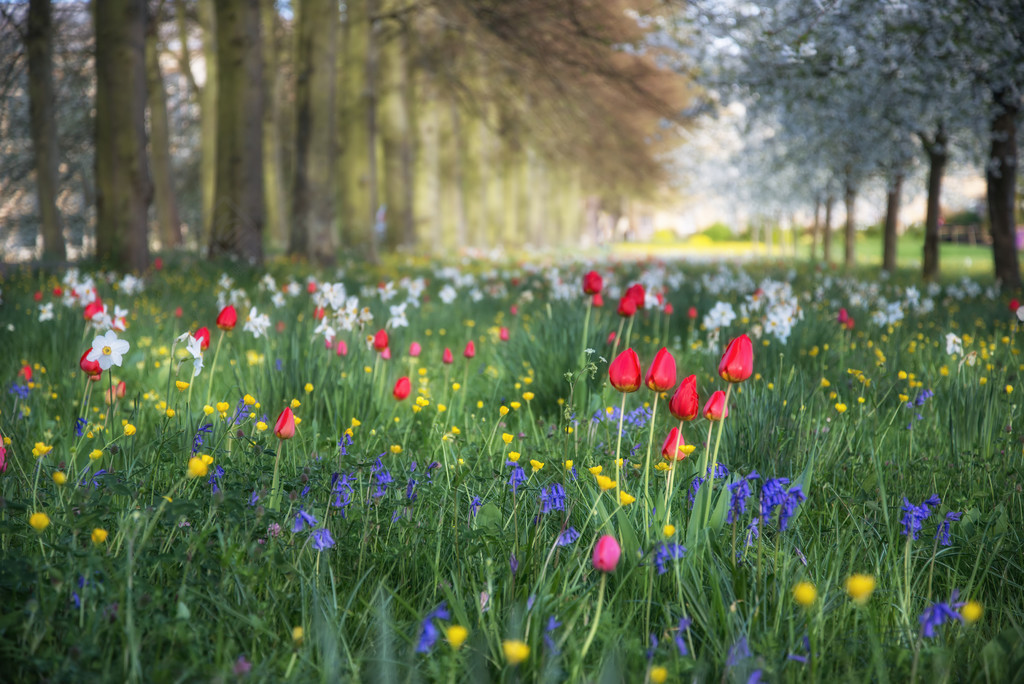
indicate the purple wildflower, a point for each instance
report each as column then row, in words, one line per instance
column 429, row 633
column 934, row 616
column 322, row 539
column 684, row 624
column 666, row 553
column 943, row 532
column 549, row 641
column 793, row 497
column 302, row 518
column 568, row 537
column 552, row 498
column 913, row 515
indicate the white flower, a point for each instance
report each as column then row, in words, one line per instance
column 278, row 300
column 447, row 294
column 196, row 350
column 387, row 291
column 398, row 319
column 46, row 312
column 1020, row 313
column 108, row 350
column 256, row 323
column 954, row 345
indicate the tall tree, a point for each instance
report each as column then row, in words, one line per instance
column 39, row 40
column 313, row 233
column 238, row 206
column 123, row 188
column 164, row 195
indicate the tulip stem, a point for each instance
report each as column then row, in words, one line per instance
column 714, row 456
column 596, row 620
column 213, row 368
column 275, row 494
column 618, row 442
column 647, row 469
column 671, row 473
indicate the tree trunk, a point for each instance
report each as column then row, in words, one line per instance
column 313, row 233
column 826, row 237
column 273, row 132
column 239, row 208
column 208, row 99
column 937, row 155
column 816, row 228
column 371, row 128
column 39, row 45
column 352, row 129
column 123, row 187
column 850, row 200
column 459, row 177
column 396, row 138
column 1001, row 178
column 167, row 217
column 892, row 217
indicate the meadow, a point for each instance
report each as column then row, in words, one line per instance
column 430, row 472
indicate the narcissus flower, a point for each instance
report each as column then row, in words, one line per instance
column 284, row 428
column 402, row 388
column 715, row 408
column 737, row 362
column 624, row 371
column 606, row 554
column 685, row 404
column 107, row 350
column 592, row 283
column 661, row 376
column 227, row 318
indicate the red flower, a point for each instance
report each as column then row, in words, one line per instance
column 611, row 337
column 685, row 404
column 849, row 323
column 716, row 409
column 1014, row 305
column 624, row 371
column 319, row 313
column 91, row 368
column 661, row 376
column 311, row 287
column 738, row 360
column 58, row 291
column 203, row 335
column 447, row 356
column 402, row 388
column 597, row 300
column 115, row 392
column 227, row 318
column 503, row 334
column 470, row 350
column 26, row 372
column 158, row 264
column 284, row 428
column 692, row 312
column 380, row 340
column 38, row 296
column 592, row 283
column 415, row 349
column 670, row 447
column 627, row 306
column 637, row 294
column 177, row 312
column 342, row 349
column 842, row 317
column 606, row 554
column 386, row 354
column 514, row 310
column 668, row 309
column 92, row 308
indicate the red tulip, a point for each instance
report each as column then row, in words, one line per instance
column 611, row 337
column 319, row 313
column 115, row 392
column 685, row 404
column 716, row 409
column 447, row 356
column 514, row 310
column 597, row 300
column 592, row 283
column 158, row 264
column 203, row 335
column 624, row 371
column 38, row 296
column 849, row 323
column 402, row 388
column 58, row 291
column 738, row 360
column 177, row 312
column 842, row 317
column 92, row 308
column 637, row 294
column 415, row 349
column 503, row 334
column 670, row 447
column 342, row 349
column 668, row 309
column 606, row 554
column 380, row 340
column 386, row 354
column 91, row 368
column 661, row 376
column 1014, row 305
column 470, row 350
column 26, row 372
column 311, row 287
column 227, row 318
column 692, row 312
column 284, row 428
column 627, row 306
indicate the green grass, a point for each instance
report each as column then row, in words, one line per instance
column 197, row 584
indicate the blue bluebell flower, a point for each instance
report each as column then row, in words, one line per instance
column 381, row 476
column 942, row 534
column 739, row 492
column 914, row 516
column 344, row 443
column 197, row 441
column 517, row 477
column 738, row 652
column 666, row 553
column 302, row 518
column 794, row 496
column 552, row 498
column 429, row 632
column 254, row 497
column 474, row 506
column 322, row 539
column 684, row 624
column 935, row 616
column 513, row 563
column 21, row 391
column 773, row 493
column 80, row 424
column 549, row 630
column 654, row 647
column 215, row 477
column 568, row 537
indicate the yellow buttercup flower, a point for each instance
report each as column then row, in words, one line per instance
column 95, row 454
column 515, row 650
column 40, row 449
column 456, row 635
column 841, row 407
column 503, row 410
column 207, row 409
column 595, row 470
column 860, row 587
column 297, row 635
column 513, row 456
column 971, row 612
column 39, row 521
column 605, row 483
column 804, row 593
column 527, row 396
column 658, row 674
column 668, row 530
column 129, row 429
column 296, row 403
column 625, row 499
column 197, row 468
column 506, row 437
column 308, row 387
column 261, row 426
column 59, row 478
column 568, row 465
column 99, row 535
column 181, row 385
column 536, row 465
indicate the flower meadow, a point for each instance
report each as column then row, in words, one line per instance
column 498, row 472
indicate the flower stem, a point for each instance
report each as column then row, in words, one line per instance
column 275, row 493
column 714, row 458
column 647, row 469
column 596, row 620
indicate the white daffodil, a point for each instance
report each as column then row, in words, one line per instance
column 108, row 350
column 46, row 312
column 195, row 348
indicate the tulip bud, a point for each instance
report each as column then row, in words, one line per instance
column 685, row 404
column 606, row 554
column 92, row 308
column 624, row 371
column 415, row 349
column 627, row 306
column 319, row 313
column 692, row 312
column 661, row 376
column 592, row 283
column 637, row 294
column 285, row 426
column 470, row 351
column 738, row 360
column 503, row 334
column 380, row 340
column 342, row 349
column 597, row 300
column 402, row 388
column 203, row 335
column 386, row 354
column 227, row 318
column 447, row 356
column 670, row 447
column 716, row 409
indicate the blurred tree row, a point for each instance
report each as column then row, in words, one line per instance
column 316, row 126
